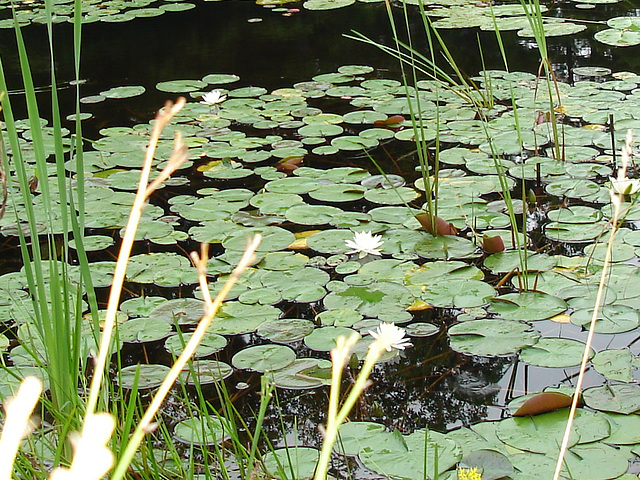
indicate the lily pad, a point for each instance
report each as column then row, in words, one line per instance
column 292, row 463
column 148, row 376
column 554, row 352
column 491, row 337
column 201, row 372
column 286, row 330
column 302, row 374
column 613, row 398
column 207, row 430
column 616, row 364
column 181, row 86
column 262, row 358
column 210, row 344
column 527, row 306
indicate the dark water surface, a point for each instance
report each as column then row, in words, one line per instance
column 215, row 37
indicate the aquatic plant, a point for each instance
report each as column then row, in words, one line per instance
column 364, row 243
column 386, row 338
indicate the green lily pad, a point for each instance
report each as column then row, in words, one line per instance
column 410, row 455
column 148, row 376
column 312, row 214
column 618, row 37
column 458, row 293
column 324, row 339
column 286, row 330
column 527, row 306
column 273, row 238
column 236, row 318
column 371, row 300
column 143, row 330
column 183, row 311
column 612, row 318
column 616, row 364
column 625, row 429
column 613, row 398
column 339, row 192
column 491, row 337
column 422, row 329
column 181, row 86
column 210, row 344
column 262, row 358
column 292, row 463
column 201, row 372
column 208, row 430
column 123, row 92
column 444, row 247
column 220, row 78
column 554, row 352
column 302, row 374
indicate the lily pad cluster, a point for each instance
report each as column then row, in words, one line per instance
column 27, row 12
column 265, row 162
column 600, row 447
column 306, row 214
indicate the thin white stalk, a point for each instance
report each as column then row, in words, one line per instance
column 162, row 119
column 616, row 200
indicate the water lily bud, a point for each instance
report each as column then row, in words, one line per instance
column 442, row 227
column 492, row 244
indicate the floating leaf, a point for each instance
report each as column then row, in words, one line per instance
column 613, row 398
column 527, row 306
column 207, row 430
column 181, row 86
column 615, row 364
column 491, row 337
column 292, row 463
column 554, row 352
column 123, row 92
column 262, row 358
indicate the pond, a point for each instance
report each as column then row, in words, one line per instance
column 291, row 153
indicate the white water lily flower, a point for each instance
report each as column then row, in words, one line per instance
column 625, row 186
column 212, row 98
column 364, row 244
column 389, row 336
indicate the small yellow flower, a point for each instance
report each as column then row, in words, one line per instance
column 469, row 474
